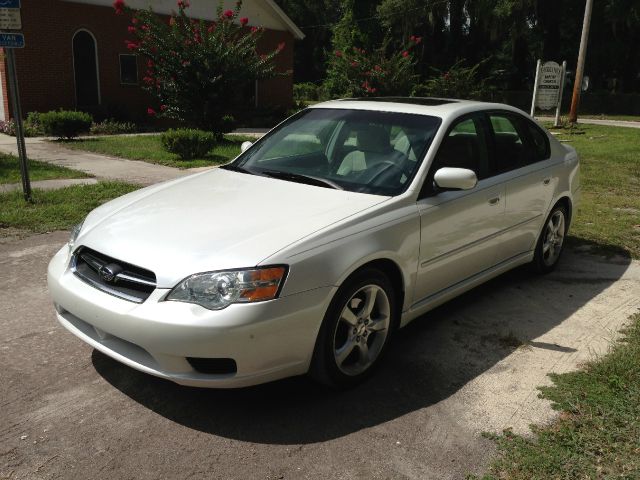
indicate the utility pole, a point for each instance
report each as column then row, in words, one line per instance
column 582, row 54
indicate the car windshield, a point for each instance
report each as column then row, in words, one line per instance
column 355, row 150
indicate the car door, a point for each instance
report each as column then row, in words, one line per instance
column 458, row 228
column 519, row 157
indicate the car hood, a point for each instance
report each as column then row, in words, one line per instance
column 214, row 220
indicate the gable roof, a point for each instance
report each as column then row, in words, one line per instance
column 263, row 13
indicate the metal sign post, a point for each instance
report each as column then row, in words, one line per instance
column 14, row 91
column 10, row 18
column 535, row 88
column 556, row 123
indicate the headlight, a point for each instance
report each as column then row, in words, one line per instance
column 75, row 231
column 217, row 290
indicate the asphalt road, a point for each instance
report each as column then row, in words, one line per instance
column 67, row 411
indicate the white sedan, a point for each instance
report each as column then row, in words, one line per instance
column 307, row 252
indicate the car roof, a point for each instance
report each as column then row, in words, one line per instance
column 437, row 107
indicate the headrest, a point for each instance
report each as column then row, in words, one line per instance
column 372, row 138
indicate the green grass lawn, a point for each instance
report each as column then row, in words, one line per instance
column 609, row 214
column 10, row 170
column 148, row 148
column 597, row 434
column 56, row 209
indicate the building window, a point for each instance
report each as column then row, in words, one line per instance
column 128, row 70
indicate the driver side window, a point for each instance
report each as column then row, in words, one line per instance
column 464, row 146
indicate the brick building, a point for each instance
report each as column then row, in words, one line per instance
column 75, row 55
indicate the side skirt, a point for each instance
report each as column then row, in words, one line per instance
column 432, row 301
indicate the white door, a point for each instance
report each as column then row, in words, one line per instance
column 459, row 228
column 520, row 155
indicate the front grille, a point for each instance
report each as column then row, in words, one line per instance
column 112, row 276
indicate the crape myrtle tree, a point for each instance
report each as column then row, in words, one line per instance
column 363, row 64
column 198, row 71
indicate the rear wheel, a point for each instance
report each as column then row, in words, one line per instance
column 355, row 330
column 551, row 241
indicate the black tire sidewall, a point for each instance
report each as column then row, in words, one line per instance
column 324, row 367
column 538, row 260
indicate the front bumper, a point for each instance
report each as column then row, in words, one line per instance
column 267, row 340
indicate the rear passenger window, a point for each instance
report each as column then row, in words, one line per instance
column 510, row 151
column 539, row 142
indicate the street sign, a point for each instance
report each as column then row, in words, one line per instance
column 10, row 19
column 12, row 40
column 549, row 82
column 10, row 15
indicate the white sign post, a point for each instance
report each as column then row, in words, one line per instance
column 548, row 87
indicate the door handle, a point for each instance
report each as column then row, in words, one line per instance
column 546, row 181
column 494, row 201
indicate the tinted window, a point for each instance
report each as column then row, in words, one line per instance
column 509, row 149
column 464, row 147
column 539, row 142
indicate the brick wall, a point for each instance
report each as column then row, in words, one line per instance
column 45, row 65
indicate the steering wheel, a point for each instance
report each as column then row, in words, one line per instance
column 388, row 169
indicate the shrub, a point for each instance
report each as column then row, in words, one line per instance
column 306, row 91
column 65, row 123
column 457, row 82
column 188, row 143
column 112, row 127
column 32, row 126
column 356, row 72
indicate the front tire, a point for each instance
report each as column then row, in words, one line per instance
column 551, row 241
column 355, row 331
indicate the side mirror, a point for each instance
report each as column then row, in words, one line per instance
column 450, row 178
column 245, row 146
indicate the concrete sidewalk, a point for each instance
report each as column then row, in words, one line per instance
column 102, row 167
column 595, row 121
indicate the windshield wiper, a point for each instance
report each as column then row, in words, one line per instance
column 235, row 168
column 300, row 178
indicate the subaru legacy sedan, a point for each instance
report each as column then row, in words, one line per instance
column 309, row 250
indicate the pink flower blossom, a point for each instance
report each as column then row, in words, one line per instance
column 338, row 53
column 132, row 45
column 254, row 29
column 119, row 6
column 151, row 112
column 147, row 80
column 228, row 14
column 134, row 20
column 281, row 46
column 163, row 108
column 150, row 63
column 244, row 21
column 131, row 29
column 182, row 4
column 405, row 54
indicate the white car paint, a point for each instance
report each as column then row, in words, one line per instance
column 441, row 246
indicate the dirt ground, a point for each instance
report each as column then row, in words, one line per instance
column 473, row 365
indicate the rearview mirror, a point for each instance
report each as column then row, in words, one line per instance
column 245, row 146
column 450, row 178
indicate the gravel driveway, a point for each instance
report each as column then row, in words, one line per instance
column 67, row 411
